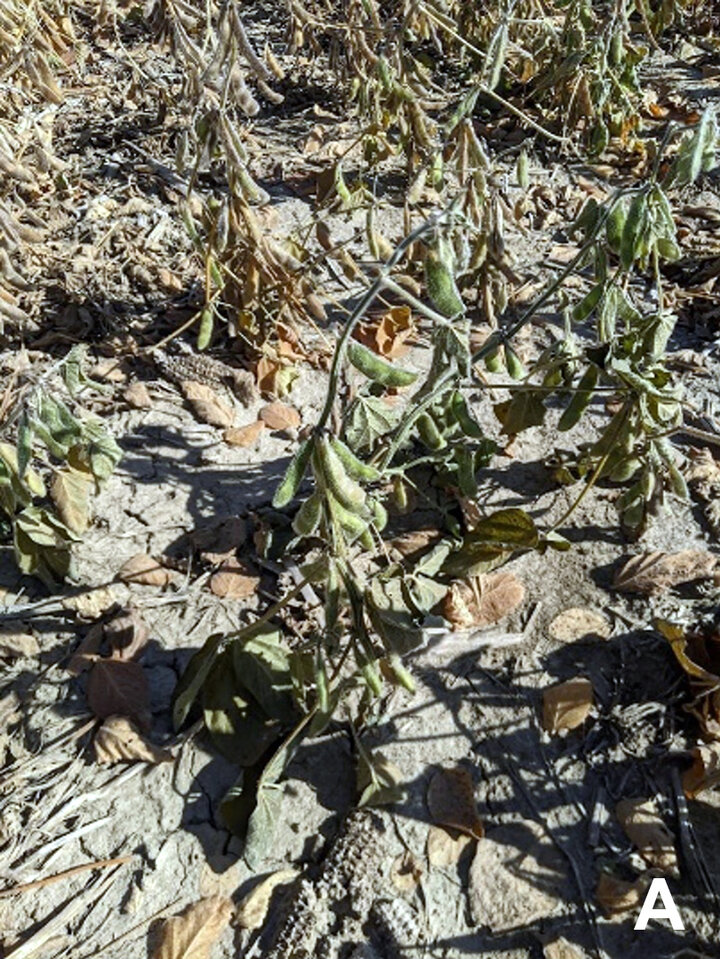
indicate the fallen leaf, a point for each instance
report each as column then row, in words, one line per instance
column 137, row 396
column 253, row 908
column 412, row 543
column 70, row 492
column 145, row 570
column 651, row 573
column 192, row 934
column 703, row 476
column 644, row 827
column 92, row 603
column 273, row 377
column 406, row 872
column 207, row 405
column 234, row 580
column 118, row 741
column 119, row 688
column 615, row 895
column 87, row 651
column 16, row 645
column 280, row 416
column 219, row 538
column 482, row 600
column 446, row 846
column 579, row 623
column 567, row 705
column 563, row 949
column 705, row 770
column 698, row 652
column 126, row 633
column 109, row 369
column 388, row 334
column 244, row 436
column 451, row 801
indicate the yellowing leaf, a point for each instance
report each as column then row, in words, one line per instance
column 192, row 934
column 253, row 908
column 118, row 741
column 567, row 705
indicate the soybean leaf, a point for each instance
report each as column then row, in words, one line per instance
column 192, row 680
column 369, row 419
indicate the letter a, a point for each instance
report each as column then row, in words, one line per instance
column 659, row 888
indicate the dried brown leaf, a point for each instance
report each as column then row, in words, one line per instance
column 137, row 396
column 70, row 492
column 567, row 705
column 244, row 436
column 145, row 570
column 615, row 895
column 579, row 623
column 207, row 405
column 406, row 872
column 118, row 741
column 705, row 770
column 388, row 334
column 91, row 603
column 192, row 934
column 17, row 645
column 563, row 949
column 280, row 416
column 253, row 908
column 482, row 601
column 651, row 573
column 234, row 580
column 645, row 828
column 119, row 688
column 218, row 539
column 451, row 801
column 126, row 633
column 446, row 846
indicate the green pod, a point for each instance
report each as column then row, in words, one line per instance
column 614, row 226
column 625, row 469
column 371, row 674
column 429, row 433
column 400, row 673
column 588, row 303
column 379, row 513
column 441, row 285
column 355, row 467
column 345, row 490
column 351, row 524
column 667, row 249
column 513, row 363
column 205, row 330
column 377, row 369
column 632, row 236
column 307, row 519
column 522, row 170
column 399, row 493
column 463, row 417
column 293, row 476
column 494, row 362
column 321, row 683
column 581, row 398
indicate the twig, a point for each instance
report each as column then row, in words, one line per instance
column 66, row 874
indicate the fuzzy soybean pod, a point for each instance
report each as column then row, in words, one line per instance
column 377, row 369
column 345, row 490
column 351, row 523
column 581, row 398
column 400, row 673
column 515, row 368
column 355, row 467
column 307, row 519
column 615, row 224
column 429, row 433
column 293, row 476
column 441, row 285
column 635, row 224
column 205, row 331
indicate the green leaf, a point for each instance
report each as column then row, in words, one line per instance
column 42, row 545
column 391, row 617
column 262, row 667
column 370, row 418
column 494, row 538
column 192, row 680
column 585, row 307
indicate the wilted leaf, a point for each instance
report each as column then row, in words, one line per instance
column 119, row 688
column 379, row 781
column 194, row 677
column 234, row 580
column 644, row 827
column 253, row 908
column 705, row 770
column 524, row 410
column 118, row 741
column 577, row 623
column 16, row 645
column 192, row 934
column 406, row 872
column 451, row 801
column 651, row 573
column 388, row 334
column 567, row 705
column 698, row 652
column 244, row 436
column 280, row 416
column 492, row 540
column 445, row 847
column 273, row 377
column 370, row 418
column 615, row 895
column 207, row 405
column 126, row 633
column 70, row 492
column 483, row 600
column 145, row 570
